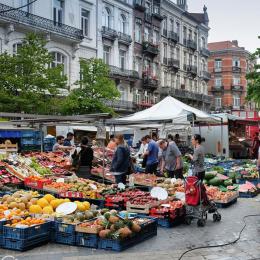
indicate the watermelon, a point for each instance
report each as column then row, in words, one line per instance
column 222, row 188
column 228, row 182
column 215, row 181
column 210, row 175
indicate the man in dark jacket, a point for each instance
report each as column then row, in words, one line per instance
column 121, row 160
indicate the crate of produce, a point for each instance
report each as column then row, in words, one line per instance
column 89, row 227
column 71, row 194
column 142, row 209
column 25, row 244
column 36, row 182
column 226, row 204
column 244, row 180
column 28, row 232
column 65, row 238
column 148, row 225
column 87, row 240
column 248, row 194
column 64, row 227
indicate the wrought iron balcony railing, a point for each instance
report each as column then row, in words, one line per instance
column 124, row 38
column 40, row 23
column 217, row 89
column 109, row 33
column 139, row 5
column 121, row 105
column 192, row 44
column 150, row 82
column 173, row 36
column 150, row 48
column 206, row 75
column 236, row 69
column 205, row 52
column 120, row 72
column 174, row 63
column 192, row 69
column 157, row 13
column 237, row 87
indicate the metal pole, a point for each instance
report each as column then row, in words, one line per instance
column 41, row 136
column 221, row 145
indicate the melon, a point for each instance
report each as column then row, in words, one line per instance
column 80, row 206
column 24, row 200
column 34, row 201
column 13, row 205
column 49, row 197
column 21, row 206
column 86, row 204
column 35, row 209
column 55, row 203
column 47, row 210
column 42, row 203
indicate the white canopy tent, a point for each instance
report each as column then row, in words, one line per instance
column 168, row 109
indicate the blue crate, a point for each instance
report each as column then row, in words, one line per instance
column 169, row 223
column 254, row 181
column 25, row 244
column 65, row 238
column 225, row 205
column 87, row 240
column 64, row 228
column 248, row 194
column 2, row 223
column 26, row 233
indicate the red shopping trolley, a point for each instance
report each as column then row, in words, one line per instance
column 197, row 203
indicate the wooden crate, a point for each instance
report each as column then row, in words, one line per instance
column 144, row 209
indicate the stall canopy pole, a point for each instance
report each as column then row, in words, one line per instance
column 41, row 136
column 221, row 137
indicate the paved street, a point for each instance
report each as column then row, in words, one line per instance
column 171, row 243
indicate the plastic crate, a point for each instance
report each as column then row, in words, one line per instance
column 254, row 181
column 248, row 194
column 25, row 244
column 65, row 238
column 169, row 223
column 87, row 240
column 225, row 205
column 26, row 233
column 64, row 228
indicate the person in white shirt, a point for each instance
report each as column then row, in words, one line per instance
column 141, row 152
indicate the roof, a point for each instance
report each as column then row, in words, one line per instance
column 198, row 17
column 224, row 45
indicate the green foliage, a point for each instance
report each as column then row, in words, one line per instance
column 253, row 89
column 94, row 89
column 27, row 77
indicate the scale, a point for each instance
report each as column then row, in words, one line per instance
column 159, row 193
column 66, row 208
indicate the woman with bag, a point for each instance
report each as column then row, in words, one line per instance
column 120, row 166
column 84, row 159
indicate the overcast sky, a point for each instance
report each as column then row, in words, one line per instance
column 232, row 20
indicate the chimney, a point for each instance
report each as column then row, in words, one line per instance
column 235, row 42
column 182, row 4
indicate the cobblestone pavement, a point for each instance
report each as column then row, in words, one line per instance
column 171, row 243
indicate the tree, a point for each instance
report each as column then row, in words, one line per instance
column 253, row 77
column 95, row 89
column 28, row 82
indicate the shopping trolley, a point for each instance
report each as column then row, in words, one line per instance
column 197, row 203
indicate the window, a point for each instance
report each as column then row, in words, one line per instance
column 137, row 97
column 203, row 65
column 184, row 34
column 190, row 59
column 218, row 82
column 178, row 81
column 155, row 70
column 148, row 7
column 85, row 21
column 236, row 81
column 164, row 50
column 106, row 54
column 203, row 43
column 58, row 60
column 195, row 36
column 137, row 64
column 218, row 102
column 165, row 79
column 107, row 18
column 236, row 62
column 195, row 60
column 164, row 26
column 184, row 58
column 16, row 47
column 190, row 34
column 122, row 59
column 123, row 24
column 218, row 65
column 147, row 99
column 172, row 56
column 178, row 28
column 146, row 34
column 156, row 37
column 171, row 25
column 138, row 31
column 178, row 53
column 57, row 11
column 236, row 102
column 123, row 93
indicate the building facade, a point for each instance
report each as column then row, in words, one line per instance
column 69, row 28
column 184, row 54
column 228, row 65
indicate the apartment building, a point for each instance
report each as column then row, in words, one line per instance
column 184, row 54
column 68, row 26
column 228, row 64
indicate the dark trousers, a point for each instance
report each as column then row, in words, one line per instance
column 200, row 175
column 121, row 178
column 178, row 174
column 151, row 168
column 84, row 172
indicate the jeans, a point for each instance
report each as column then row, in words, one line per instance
column 121, row 178
column 151, row 168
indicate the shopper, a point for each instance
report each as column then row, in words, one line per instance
column 121, row 160
column 255, row 146
column 141, row 152
column 152, row 155
column 59, row 145
column 84, row 158
column 67, row 141
column 177, row 139
column 198, row 157
column 112, row 143
column 171, row 159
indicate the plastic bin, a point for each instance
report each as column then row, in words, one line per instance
column 65, row 238
column 87, row 240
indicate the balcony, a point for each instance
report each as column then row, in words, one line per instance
column 150, row 82
column 205, row 52
column 174, row 63
column 236, row 69
column 237, row 88
column 109, row 33
column 120, row 73
column 217, row 89
column 193, row 70
column 20, row 17
column 122, row 105
column 148, row 17
column 218, row 70
column 205, row 75
column 157, row 13
column 173, row 36
column 139, row 5
column 150, row 48
column 192, row 45
column 124, row 38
